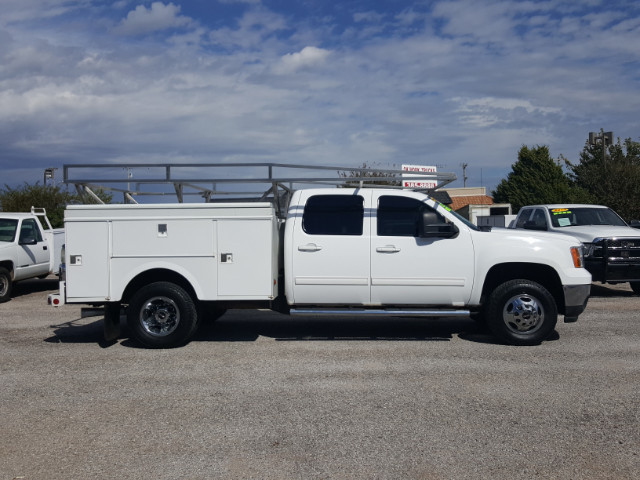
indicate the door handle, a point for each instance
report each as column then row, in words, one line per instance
column 310, row 247
column 388, row 249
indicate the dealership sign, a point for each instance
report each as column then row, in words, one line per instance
column 418, row 181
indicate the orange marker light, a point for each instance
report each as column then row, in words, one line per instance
column 576, row 254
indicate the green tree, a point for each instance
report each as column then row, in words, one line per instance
column 611, row 175
column 53, row 198
column 537, row 178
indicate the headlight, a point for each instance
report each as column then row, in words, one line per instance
column 588, row 249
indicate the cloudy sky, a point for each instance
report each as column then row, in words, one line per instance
column 384, row 82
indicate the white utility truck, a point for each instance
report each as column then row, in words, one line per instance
column 26, row 249
column 325, row 251
column 611, row 247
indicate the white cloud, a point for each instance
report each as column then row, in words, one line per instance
column 307, row 57
column 255, row 29
column 369, row 16
column 466, row 81
column 240, row 1
column 158, row 17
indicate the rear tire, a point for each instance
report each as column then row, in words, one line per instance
column 635, row 286
column 162, row 315
column 6, row 285
column 522, row 312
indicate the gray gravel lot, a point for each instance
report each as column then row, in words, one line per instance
column 259, row 395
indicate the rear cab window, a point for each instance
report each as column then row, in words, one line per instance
column 334, row 215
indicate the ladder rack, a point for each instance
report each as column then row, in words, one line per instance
column 231, row 182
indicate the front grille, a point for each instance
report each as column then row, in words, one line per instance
column 618, row 249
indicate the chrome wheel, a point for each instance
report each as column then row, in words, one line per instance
column 160, row 316
column 523, row 314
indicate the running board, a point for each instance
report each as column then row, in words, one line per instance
column 380, row 313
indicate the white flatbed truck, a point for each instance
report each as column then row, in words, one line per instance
column 337, row 251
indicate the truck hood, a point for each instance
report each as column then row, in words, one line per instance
column 5, row 245
column 587, row 233
column 535, row 235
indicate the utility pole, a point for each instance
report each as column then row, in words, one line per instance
column 50, row 176
column 604, row 138
column 464, row 174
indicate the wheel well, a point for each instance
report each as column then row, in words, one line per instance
column 8, row 265
column 156, row 275
column 542, row 274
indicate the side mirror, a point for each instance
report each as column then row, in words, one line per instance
column 28, row 240
column 432, row 226
column 635, row 223
column 534, row 226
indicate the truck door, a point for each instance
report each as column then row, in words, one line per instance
column 33, row 251
column 330, row 249
column 409, row 270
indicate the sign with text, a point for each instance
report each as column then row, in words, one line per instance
column 418, row 181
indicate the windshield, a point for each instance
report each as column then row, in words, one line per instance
column 8, row 229
column 455, row 214
column 573, row 217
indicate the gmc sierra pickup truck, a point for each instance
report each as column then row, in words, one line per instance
column 335, row 251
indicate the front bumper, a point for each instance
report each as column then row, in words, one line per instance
column 575, row 301
column 613, row 270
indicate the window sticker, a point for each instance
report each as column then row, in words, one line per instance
column 561, row 211
column 564, row 222
column 441, row 205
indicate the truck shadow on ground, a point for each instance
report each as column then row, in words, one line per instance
column 79, row 331
column 34, row 285
column 238, row 326
column 609, row 291
column 234, row 328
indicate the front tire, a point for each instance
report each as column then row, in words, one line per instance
column 635, row 286
column 162, row 315
column 521, row 312
column 6, row 285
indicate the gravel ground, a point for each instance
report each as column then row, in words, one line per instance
column 259, row 395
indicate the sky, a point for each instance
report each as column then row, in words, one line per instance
column 317, row 82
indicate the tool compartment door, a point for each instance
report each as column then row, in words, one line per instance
column 245, row 253
column 87, row 262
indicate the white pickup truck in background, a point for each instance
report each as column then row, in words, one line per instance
column 327, row 251
column 612, row 248
column 27, row 250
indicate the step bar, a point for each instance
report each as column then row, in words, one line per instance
column 378, row 313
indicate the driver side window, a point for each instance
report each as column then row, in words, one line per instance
column 29, row 229
column 539, row 219
column 523, row 217
column 401, row 216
